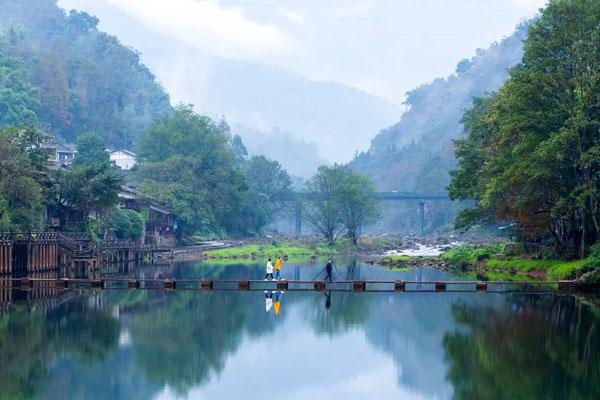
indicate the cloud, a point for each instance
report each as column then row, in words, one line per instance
column 530, row 5
column 206, row 25
column 293, row 15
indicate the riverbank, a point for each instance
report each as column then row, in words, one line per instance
column 497, row 262
column 302, row 248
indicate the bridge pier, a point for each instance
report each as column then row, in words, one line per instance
column 298, row 222
column 421, row 218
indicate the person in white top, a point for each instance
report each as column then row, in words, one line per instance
column 269, row 270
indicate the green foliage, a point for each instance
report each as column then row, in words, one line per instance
column 270, row 250
column 91, row 149
column 186, row 161
column 502, row 262
column 18, row 98
column 126, row 224
column 24, row 181
column 90, row 190
column 340, row 198
column 60, row 70
column 593, row 260
column 269, row 184
column 531, row 154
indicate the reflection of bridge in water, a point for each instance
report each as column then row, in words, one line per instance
column 422, row 198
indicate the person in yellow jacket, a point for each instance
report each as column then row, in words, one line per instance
column 278, row 268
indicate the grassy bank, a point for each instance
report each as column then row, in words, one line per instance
column 499, row 262
column 303, row 248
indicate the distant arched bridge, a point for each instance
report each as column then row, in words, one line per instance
column 422, row 198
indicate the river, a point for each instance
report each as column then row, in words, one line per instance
column 100, row 344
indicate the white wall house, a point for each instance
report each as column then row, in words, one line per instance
column 123, row 159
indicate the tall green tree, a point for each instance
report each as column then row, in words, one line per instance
column 340, row 198
column 324, row 211
column 270, row 186
column 18, row 97
column 91, row 187
column 532, row 150
column 24, row 178
column 91, row 149
column 187, row 161
column 357, row 202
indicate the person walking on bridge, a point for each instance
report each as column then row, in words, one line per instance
column 278, row 268
column 328, row 270
column 269, row 270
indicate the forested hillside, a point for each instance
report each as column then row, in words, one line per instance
column 532, row 151
column 416, row 154
column 60, row 72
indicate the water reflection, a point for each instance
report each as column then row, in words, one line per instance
column 145, row 344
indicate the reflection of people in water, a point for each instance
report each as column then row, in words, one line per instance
column 328, row 270
column 327, row 301
column 277, row 302
column 268, row 300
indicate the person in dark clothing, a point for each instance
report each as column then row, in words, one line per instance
column 328, row 270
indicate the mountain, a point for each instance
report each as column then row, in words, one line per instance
column 84, row 79
column 299, row 158
column 416, row 153
column 336, row 117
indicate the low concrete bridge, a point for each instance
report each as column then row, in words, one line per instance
column 422, row 198
column 308, row 285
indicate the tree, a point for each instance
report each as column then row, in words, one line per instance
column 357, row 201
column 239, row 149
column 270, row 185
column 89, row 190
column 126, row 224
column 91, row 149
column 340, row 198
column 187, row 162
column 324, row 211
column 24, row 178
column 18, row 98
column 531, row 154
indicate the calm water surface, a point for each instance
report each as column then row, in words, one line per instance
column 252, row 345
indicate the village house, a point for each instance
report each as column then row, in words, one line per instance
column 62, row 155
column 123, row 159
column 161, row 224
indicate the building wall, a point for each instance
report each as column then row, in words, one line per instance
column 122, row 159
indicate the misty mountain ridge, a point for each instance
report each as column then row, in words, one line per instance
column 416, row 153
column 299, row 158
column 335, row 116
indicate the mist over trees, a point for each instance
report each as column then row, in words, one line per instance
column 416, row 154
column 532, row 150
column 299, row 158
column 418, row 149
column 59, row 72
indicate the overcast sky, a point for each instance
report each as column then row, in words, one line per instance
column 384, row 47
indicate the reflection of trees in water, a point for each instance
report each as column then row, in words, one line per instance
column 410, row 328
column 31, row 339
column 532, row 348
column 184, row 341
column 346, row 311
